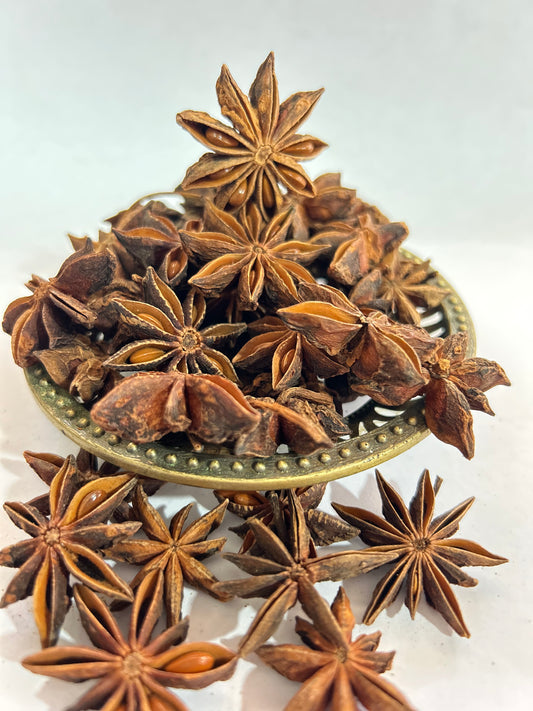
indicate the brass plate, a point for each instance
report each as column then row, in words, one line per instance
column 378, row 433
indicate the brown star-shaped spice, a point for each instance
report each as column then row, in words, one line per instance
column 427, row 558
column 287, row 352
column 174, row 551
column 42, row 320
column 263, row 149
column 399, row 286
column 255, row 251
column 169, row 333
column 336, row 672
column 68, row 542
column 457, row 385
column 287, row 573
column 133, row 671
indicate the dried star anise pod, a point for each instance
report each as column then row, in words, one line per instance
column 381, row 353
column 273, row 510
column 318, row 407
column 334, row 671
column 457, row 385
column 254, row 251
column 42, row 320
column 358, row 248
column 66, row 543
column 288, row 352
column 147, row 406
column 426, row 557
column 133, row 672
column 166, row 333
column 174, row 551
column 263, row 149
column 399, row 285
column 287, row 573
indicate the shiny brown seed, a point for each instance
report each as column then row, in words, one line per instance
column 191, row 663
column 145, row 355
column 301, row 150
column 90, row 502
column 222, row 140
column 238, row 195
column 151, row 319
column 173, row 268
column 294, row 179
column 225, row 173
column 319, row 213
column 268, row 193
column 243, row 498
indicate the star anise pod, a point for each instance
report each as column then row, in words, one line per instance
column 68, row 542
column 166, row 333
column 399, row 285
column 384, row 362
column 273, row 510
column 457, row 385
column 133, row 672
column 358, row 248
column 288, row 352
column 334, row 671
column 261, row 151
column 427, row 558
column 174, row 551
column 287, row 573
column 316, row 406
column 42, row 320
column 147, row 406
column 254, row 251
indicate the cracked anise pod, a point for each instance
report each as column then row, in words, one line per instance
column 42, row 320
column 456, row 386
column 253, row 250
column 261, row 151
column 164, row 334
column 147, row 406
column 426, row 557
column 335, row 672
column 133, row 672
column 67, row 542
column 173, row 550
column 285, row 574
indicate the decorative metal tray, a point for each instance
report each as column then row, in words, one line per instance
column 379, row 433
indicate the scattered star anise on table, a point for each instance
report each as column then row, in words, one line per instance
column 285, row 574
column 164, row 333
column 427, row 558
column 133, row 672
column 67, row 542
column 262, row 151
column 173, row 550
column 335, row 672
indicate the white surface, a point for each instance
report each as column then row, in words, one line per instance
column 428, row 112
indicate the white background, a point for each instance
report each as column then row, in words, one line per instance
column 429, row 112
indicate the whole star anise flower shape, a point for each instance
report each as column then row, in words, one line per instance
column 170, row 337
column 286, row 574
column 399, row 285
column 174, row 551
column 287, row 352
column 263, row 149
column 68, row 542
column 335, row 671
column 457, row 385
column 255, row 251
column 427, row 558
column 133, row 671
column 44, row 319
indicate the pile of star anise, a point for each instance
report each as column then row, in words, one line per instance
column 251, row 314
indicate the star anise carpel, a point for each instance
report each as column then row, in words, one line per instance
column 262, row 151
column 426, row 556
column 165, row 334
column 173, row 549
column 133, row 672
column 285, row 574
column 67, row 542
column 335, row 672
